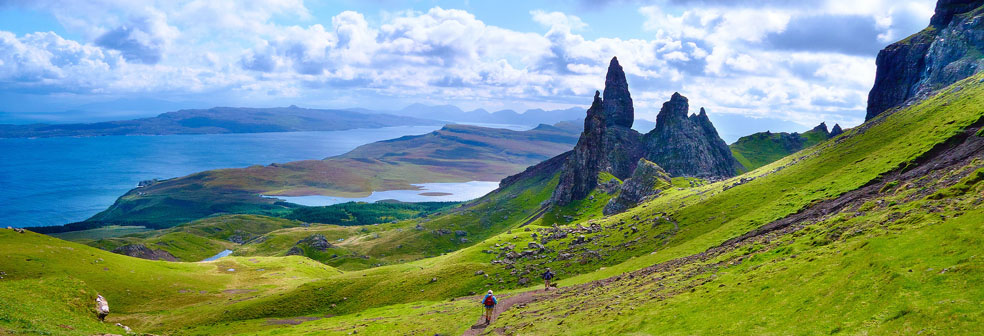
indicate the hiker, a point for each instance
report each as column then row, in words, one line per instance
column 102, row 307
column 546, row 278
column 489, row 301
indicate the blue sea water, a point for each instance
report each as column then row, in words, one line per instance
column 54, row 181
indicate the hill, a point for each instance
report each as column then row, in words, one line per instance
column 762, row 148
column 888, row 197
column 221, row 120
column 455, row 153
column 876, row 231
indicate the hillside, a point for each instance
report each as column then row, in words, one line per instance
column 219, row 120
column 856, row 221
column 874, row 231
column 455, row 153
column 762, row 148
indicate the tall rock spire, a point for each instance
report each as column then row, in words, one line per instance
column 617, row 100
column 689, row 145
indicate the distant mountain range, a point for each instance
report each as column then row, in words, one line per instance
column 455, row 114
column 219, row 120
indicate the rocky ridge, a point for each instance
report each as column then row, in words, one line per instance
column 949, row 50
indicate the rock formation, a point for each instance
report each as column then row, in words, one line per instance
column 608, row 143
column 943, row 53
column 836, row 130
column 647, row 180
column 143, row 252
column 617, row 100
column 688, row 146
column 821, row 129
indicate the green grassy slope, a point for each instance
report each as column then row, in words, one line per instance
column 762, row 148
column 844, row 269
column 681, row 223
column 687, row 222
column 47, row 274
column 200, row 239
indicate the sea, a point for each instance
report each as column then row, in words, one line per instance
column 55, row 181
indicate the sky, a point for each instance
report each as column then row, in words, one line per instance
column 797, row 61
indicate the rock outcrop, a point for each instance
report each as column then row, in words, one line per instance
column 836, row 131
column 608, row 142
column 143, row 252
column 945, row 52
column 315, row 241
column 648, row 180
column 688, row 145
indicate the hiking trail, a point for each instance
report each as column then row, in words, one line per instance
column 504, row 304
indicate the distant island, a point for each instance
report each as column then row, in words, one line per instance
column 219, row 120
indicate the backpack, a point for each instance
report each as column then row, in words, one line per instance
column 489, row 300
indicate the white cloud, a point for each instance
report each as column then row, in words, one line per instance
column 720, row 57
column 558, row 19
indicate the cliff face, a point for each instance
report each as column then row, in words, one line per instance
column 579, row 174
column 688, row 145
column 949, row 50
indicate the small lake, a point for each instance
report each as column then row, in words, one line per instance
column 54, row 181
column 223, row 254
column 429, row 192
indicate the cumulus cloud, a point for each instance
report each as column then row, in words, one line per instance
column 139, row 40
column 800, row 61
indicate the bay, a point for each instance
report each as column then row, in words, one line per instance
column 55, row 181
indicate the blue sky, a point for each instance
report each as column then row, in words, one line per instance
column 779, row 60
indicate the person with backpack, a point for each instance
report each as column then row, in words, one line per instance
column 489, row 301
column 546, row 278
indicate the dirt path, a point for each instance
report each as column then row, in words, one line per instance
column 504, row 304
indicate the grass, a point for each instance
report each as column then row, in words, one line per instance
column 845, row 272
column 100, row 233
column 762, row 148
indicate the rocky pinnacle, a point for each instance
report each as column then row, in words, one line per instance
column 617, row 100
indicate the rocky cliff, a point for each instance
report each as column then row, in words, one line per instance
column 647, row 180
column 688, row 145
column 950, row 49
column 684, row 145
